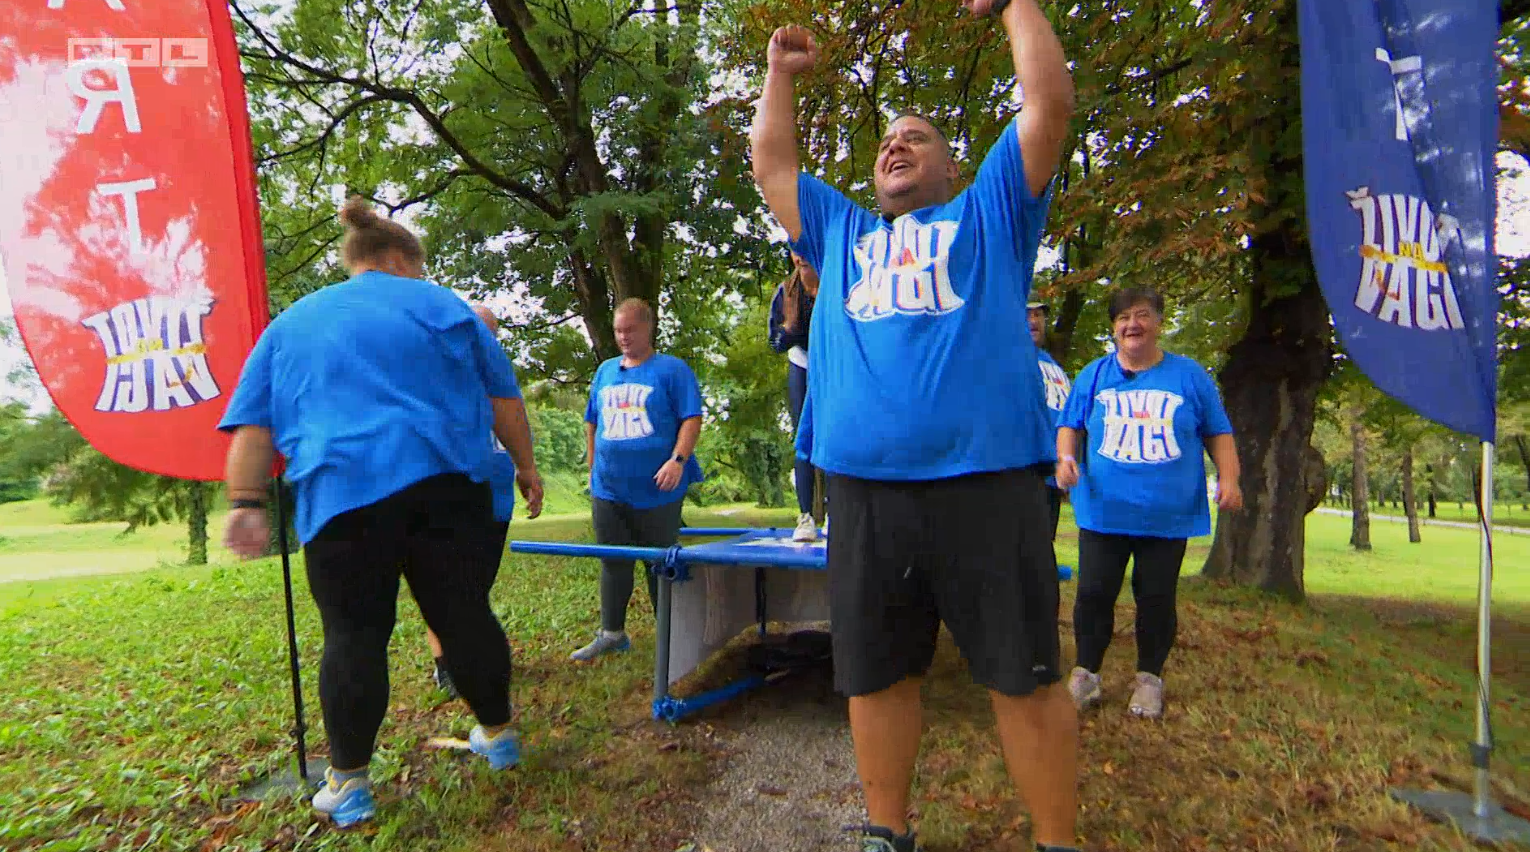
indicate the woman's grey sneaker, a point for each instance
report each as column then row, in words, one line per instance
column 1084, row 686
column 605, row 643
column 1147, row 698
column 444, row 682
column 806, row 530
column 875, row 838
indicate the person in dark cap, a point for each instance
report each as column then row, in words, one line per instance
column 1054, row 381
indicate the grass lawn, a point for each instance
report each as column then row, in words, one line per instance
column 135, row 705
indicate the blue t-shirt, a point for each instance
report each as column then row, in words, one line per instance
column 1055, row 382
column 502, row 480
column 1143, row 471
column 637, row 412
column 916, row 370
column 369, row 386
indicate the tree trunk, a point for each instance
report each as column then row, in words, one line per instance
column 1360, row 516
column 1270, row 384
column 1410, row 500
column 1477, row 488
column 1524, row 458
column 1274, row 372
column 196, row 523
column 1429, row 472
column 1316, row 477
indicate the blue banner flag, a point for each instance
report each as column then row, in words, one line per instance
column 1400, row 127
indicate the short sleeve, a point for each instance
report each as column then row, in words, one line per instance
column 1214, row 420
column 251, row 402
column 493, row 364
column 685, row 391
column 1000, row 186
column 819, row 206
column 1075, row 412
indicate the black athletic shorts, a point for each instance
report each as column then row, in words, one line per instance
column 971, row 551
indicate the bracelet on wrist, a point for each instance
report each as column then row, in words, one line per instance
column 247, row 504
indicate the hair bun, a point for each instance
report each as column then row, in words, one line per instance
column 357, row 212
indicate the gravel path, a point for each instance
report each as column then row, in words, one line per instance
column 789, row 779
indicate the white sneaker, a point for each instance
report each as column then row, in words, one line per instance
column 1147, row 698
column 806, row 529
column 1084, row 687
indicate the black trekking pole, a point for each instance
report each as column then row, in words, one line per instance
column 303, row 779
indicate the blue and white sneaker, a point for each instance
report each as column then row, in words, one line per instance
column 503, row 749
column 605, row 643
column 347, row 802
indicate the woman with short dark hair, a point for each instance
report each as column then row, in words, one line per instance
column 1139, row 492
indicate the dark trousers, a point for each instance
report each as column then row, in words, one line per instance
column 618, row 523
column 440, row 535
column 1102, row 559
column 1054, row 503
column 802, row 470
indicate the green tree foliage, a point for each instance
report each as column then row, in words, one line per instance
column 99, row 489
column 562, row 153
column 558, row 437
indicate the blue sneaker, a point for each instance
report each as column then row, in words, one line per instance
column 605, row 643
column 348, row 802
column 503, row 750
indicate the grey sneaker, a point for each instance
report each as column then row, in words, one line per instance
column 806, row 529
column 1147, row 698
column 875, row 838
column 1084, row 686
column 604, row 643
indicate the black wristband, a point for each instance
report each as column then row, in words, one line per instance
column 998, row 7
column 247, row 504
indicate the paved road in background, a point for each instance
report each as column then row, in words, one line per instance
column 1432, row 522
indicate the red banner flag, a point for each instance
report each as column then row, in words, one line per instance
column 129, row 225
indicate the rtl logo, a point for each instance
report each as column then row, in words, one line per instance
column 142, row 52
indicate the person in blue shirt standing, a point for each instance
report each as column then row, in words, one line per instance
column 1139, row 489
column 1054, row 383
column 791, row 315
column 378, row 392
column 502, row 481
column 641, row 426
column 925, row 410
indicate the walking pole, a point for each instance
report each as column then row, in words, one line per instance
column 299, row 728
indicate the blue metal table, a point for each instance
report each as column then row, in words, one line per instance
column 760, row 549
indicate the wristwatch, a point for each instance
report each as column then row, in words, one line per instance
column 680, row 459
column 998, row 6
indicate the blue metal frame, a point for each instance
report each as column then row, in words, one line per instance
column 670, row 566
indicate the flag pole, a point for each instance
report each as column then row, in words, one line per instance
column 1476, row 815
column 1482, row 749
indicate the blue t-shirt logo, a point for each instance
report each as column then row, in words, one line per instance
column 904, row 271
column 1139, row 426
column 1055, row 381
column 624, row 412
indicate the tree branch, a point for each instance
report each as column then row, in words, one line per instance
column 411, row 99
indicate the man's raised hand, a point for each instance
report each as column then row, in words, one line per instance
column 793, row 51
column 980, row 8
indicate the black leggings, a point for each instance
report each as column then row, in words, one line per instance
column 1102, row 559
column 802, row 469
column 618, row 523
column 440, row 534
